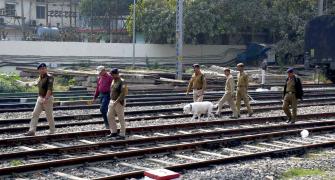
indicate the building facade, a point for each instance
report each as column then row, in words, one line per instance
column 19, row 19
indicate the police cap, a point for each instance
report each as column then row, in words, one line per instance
column 290, row 70
column 115, row 71
column 196, row 66
column 240, row 65
column 41, row 65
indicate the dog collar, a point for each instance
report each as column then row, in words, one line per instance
column 190, row 107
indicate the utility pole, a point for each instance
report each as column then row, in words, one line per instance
column 22, row 20
column 62, row 18
column 179, row 38
column 91, row 19
column 75, row 14
column 134, row 32
column 70, row 13
column 46, row 13
column 117, row 16
column 320, row 8
column 109, row 22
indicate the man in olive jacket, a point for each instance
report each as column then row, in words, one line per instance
column 292, row 92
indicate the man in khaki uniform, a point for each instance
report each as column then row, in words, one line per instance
column 242, row 90
column 292, row 92
column 116, row 106
column 228, row 95
column 44, row 101
column 198, row 84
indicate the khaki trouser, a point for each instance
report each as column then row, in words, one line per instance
column 228, row 98
column 242, row 93
column 198, row 95
column 47, row 106
column 290, row 99
column 116, row 110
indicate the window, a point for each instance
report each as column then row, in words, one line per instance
column 40, row 12
column 10, row 9
column 41, row 1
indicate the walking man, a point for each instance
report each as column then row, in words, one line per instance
column 228, row 95
column 119, row 90
column 242, row 90
column 103, row 90
column 292, row 92
column 44, row 101
column 198, row 84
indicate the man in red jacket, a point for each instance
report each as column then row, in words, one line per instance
column 103, row 90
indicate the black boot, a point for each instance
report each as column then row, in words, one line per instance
column 112, row 135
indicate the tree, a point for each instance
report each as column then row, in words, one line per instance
column 206, row 21
column 103, row 11
column 201, row 21
column 289, row 19
column 155, row 19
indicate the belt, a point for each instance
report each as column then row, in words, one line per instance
column 105, row 92
column 290, row 92
column 197, row 88
column 44, row 96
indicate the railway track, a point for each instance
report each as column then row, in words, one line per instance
column 156, row 91
column 244, row 143
column 150, row 97
column 151, row 100
column 11, row 126
column 177, row 146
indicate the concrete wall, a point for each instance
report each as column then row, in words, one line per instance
column 41, row 48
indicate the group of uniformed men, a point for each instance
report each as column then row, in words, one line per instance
column 198, row 84
column 112, row 90
column 292, row 91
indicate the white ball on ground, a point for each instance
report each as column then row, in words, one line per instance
column 304, row 133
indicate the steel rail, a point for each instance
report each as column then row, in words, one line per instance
column 162, row 139
column 157, row 150
column 98, row 133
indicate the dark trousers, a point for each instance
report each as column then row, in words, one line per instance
column 104, row 102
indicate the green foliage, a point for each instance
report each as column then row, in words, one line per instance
column 103, row 8
column 205, row 21
column 201, row 21
column 156, row 19
column 298, row 172
column 66, row 80
column 189, row 71
column 72, row 82
column 320, row 78
column 15, row 162
column 8, row 83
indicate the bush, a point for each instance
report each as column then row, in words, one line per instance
column 9, row 84
column 66, row 80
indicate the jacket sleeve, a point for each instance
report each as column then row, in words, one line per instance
column 50, row 83
column 284, row 91
column 123, row 88
column 230, row 85
column 299, row 89
column 204, row 83
column 247, row 81
column 190, row 84
column 96, row 93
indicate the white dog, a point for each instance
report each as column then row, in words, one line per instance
column 198, row 108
